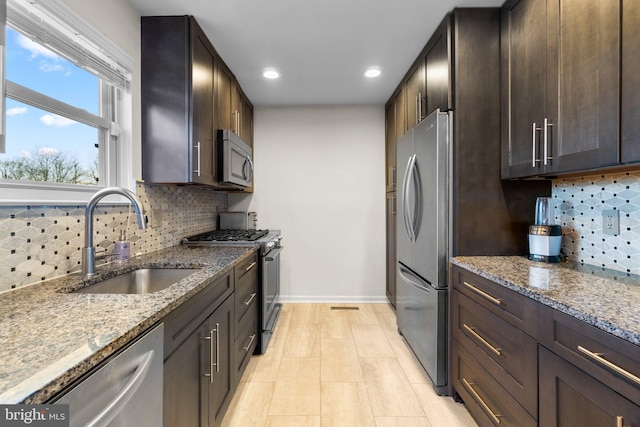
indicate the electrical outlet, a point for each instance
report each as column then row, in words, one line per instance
column 611, row 222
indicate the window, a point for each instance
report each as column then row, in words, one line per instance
column 66, row 89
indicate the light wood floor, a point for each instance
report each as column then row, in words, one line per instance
column 339, row 368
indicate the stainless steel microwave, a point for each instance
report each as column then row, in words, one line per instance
column 236, row 160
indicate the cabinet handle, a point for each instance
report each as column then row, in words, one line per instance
column 253, row 264
column 211, row 363
column 417, row 110
column 619, row 421
column 253, row 295
column 198, row 149
column 419, row 107
column 217, row 332
column 252, row 338
column 483, row 294
column 476, row 396
column 393, row 205
column 480, row 338
column 545, row 135
column 535, row 128
column 617, row 369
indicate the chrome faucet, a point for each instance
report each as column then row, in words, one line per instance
column 89, row 252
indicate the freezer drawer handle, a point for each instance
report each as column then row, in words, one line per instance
column 601, row 360
column 479, row 337
column 483, row 294
column 469, row 386
column 109, row 413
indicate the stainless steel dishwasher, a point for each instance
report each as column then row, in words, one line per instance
column 125, row 391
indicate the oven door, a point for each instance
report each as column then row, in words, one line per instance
column 270, row 293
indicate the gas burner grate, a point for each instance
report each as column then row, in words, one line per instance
column 228, row 236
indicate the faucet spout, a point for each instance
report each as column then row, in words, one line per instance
column 88, row 252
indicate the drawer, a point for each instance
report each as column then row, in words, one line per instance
column 488, row 402
column 248, row 266
column 179, row 324
column 516, row 309
column 611, row 360
column 508, row 354
column 246, row 342
column 246, row 295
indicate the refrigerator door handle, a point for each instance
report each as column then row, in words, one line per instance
column 417, row 212
column 406, row 184
column 409, row 278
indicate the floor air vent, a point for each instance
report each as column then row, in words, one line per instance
column 344, row 308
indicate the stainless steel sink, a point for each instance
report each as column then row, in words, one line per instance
column 143, row 281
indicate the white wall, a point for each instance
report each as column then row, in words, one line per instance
column 319, row 178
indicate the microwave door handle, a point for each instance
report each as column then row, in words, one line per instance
column 248, row 162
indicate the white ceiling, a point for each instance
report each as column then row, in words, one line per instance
column 320, row 47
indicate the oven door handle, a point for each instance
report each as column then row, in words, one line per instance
column 271, row 256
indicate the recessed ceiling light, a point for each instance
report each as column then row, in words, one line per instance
column 270, row 73
column 372, row 72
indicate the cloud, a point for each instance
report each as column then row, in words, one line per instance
column 48, row 151
column 56, row 121
column 35, row 49
column 16, row 111
column 51, row 67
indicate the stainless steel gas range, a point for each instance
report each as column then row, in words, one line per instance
column 270, row 245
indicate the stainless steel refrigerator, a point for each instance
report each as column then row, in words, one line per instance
column 422, row 243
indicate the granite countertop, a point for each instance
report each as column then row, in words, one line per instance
column 606, row 299
column 49, row 337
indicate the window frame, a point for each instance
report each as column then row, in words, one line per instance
column 114, row 124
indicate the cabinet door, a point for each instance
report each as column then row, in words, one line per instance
column 523, row 98
column 401, row 117
column 437, row 67
column 414, row 94
column 182, row 383
column 583, row 82
column 390, row 145
column 391, row 248
column 630, row 132
column 203, row 140
column 570, row 397
column 224, row 84
column 219, row 337
column 246, row 122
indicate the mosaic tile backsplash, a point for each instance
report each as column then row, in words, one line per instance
column 579, row 203
column 41, row 242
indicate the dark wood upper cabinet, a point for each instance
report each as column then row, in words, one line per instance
column 224, row 82
column 415, row 95
column 437, row 65
column 560, row 89
column 630, row 120
column 177, row 102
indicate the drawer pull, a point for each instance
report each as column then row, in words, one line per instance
column 253, row 295
column 483, row 294
column 253, row 337
column 598, row 358
column 253, row 264
column 476, row 396
column 479, row 337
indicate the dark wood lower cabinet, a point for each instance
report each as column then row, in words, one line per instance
column 208, row 342
column 570, row 397
column 198, row 375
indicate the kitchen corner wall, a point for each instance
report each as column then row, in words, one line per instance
column 318, row 179
column 41, row 242
column 579, row 203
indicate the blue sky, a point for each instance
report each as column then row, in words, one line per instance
column 29, row 128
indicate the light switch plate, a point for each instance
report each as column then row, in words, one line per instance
column 611, row 222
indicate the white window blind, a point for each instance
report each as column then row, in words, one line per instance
column 55, row 26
